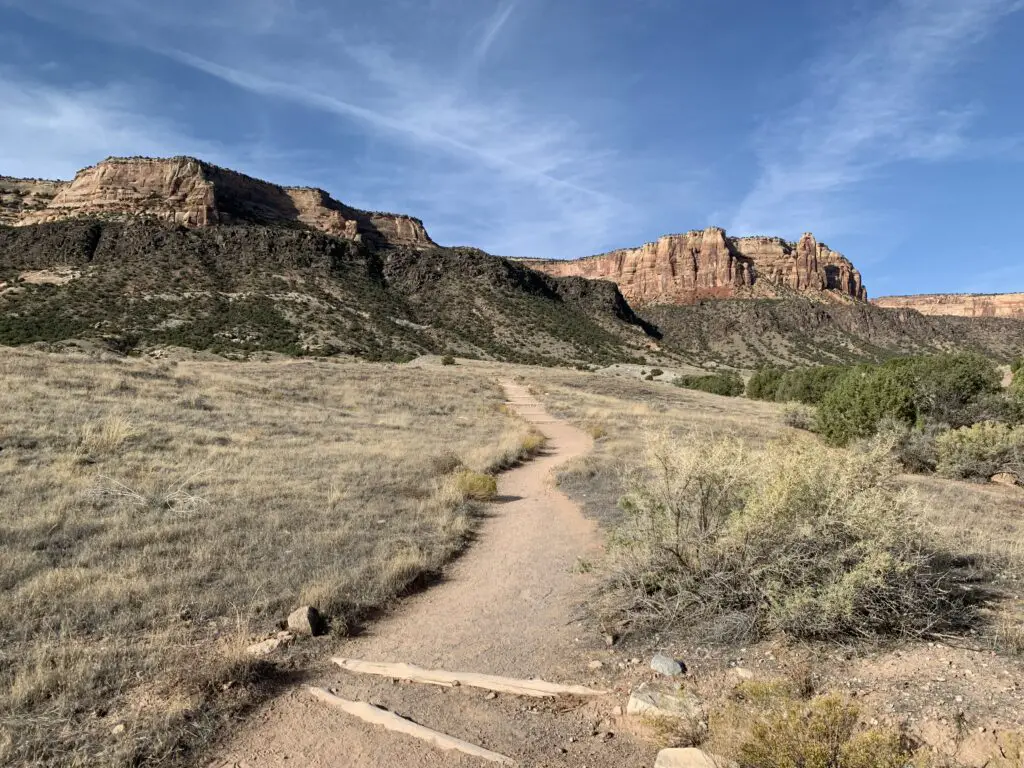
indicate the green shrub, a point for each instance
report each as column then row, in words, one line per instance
column 727, row 384
column 764, row 384
column 813, row 542
column 981, row 451
column 808, row 385
column 447, row 360
column 948, row 388
column 958, row 390
column 859, row 401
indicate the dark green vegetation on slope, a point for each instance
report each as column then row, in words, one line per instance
column 797, row 331
column 237, row 289
column 945, row 413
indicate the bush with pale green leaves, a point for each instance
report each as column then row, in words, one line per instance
column 981, row 451
column 797, row 538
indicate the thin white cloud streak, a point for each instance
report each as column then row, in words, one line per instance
column 492, row 31
column 873, row 104
column 487, row 134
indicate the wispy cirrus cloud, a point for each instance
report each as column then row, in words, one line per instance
column 875, row 100
column 481, row 162
column 491, row 31
column 45, row 131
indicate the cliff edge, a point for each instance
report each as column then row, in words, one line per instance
column 708, row 264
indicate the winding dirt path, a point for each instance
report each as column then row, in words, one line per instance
column 506, row 607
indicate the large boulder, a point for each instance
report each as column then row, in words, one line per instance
column 307, row 621
column 665, row 700
column 666, row 665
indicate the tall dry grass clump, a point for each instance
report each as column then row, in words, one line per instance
column 796, row 538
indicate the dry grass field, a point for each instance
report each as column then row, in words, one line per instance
column 156, row 517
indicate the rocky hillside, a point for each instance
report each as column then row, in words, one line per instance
column 234, row 289
column 683, row 269
column 143, row 252
column 959, row 304
column 190, row 192
column 805, row 331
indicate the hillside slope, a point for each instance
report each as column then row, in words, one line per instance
column 237, row 288
column 800, row 331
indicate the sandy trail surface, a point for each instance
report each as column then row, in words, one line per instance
column 509, row 606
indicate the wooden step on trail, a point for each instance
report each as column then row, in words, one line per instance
column 518, row 687
column 379, row 716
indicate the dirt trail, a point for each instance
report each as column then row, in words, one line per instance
column 507, row 607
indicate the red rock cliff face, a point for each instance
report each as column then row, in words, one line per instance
column 959, row 304
column 190, row 192
column 683, row 269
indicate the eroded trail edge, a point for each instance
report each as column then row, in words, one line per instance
column 505, row 608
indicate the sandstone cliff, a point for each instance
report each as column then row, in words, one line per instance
column 683, row 269
column 193, row 193
column 21, row 196
column 959, row 304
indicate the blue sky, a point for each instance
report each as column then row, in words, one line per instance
column 892, row 129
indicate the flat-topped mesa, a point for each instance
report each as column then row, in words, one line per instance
column 194, row 193
column 959, row 304
column 707, row 264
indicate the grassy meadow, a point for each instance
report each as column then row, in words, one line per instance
column 156, row 517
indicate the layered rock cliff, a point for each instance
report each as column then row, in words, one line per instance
column 959, row 304
column 193, row 193
column 683, row 269
column 21, row 196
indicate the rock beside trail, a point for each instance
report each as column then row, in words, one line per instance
column 666, row 665
column 271, row 644
column 672, row 701
column 307, row 621
column 690, row 758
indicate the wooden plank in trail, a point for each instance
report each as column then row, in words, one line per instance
column 536, row 688
column 392, row 722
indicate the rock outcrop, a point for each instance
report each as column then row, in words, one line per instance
column 190, row 192
column 19, row 197
column 959, row 304
column 683, row 269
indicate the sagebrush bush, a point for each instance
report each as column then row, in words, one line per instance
column 981, row 451
column 800, row 416
column 915, row 448
column 813, row 542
